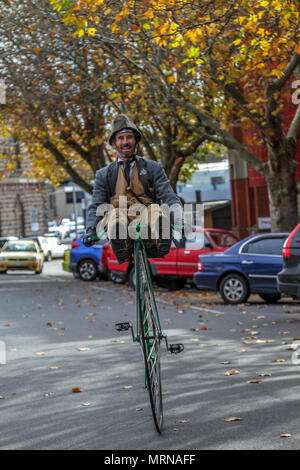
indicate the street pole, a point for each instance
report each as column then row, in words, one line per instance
column 75, row 208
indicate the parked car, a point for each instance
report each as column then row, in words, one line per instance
column 3, row 240
column 249, row 267
column 66, row 261
column 84, row 261
column 50, row 246
column 21, row 254
column 178, row 266
column 288, row 279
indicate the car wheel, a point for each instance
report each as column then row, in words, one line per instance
column 87, row 270
column 115, row 277
column 234, row 289
column 131, row 278
column 270, row 298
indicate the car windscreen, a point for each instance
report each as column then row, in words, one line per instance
column 223, row 239
column 15, row 246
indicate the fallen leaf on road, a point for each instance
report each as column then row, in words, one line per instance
column 266, row 374
column 292, row 347
column 77, row 390
column 85, row 404
column 183, row 421
column 278, row 360
column 225, row 362
column 7, row 324
column 204, row 328
column 255, row 381
column 265, row 340
column 40, row 353
column 54, row 367
column 231, row 372
column 83, row 349
column 285, row 435
column 1, row 397
column 233, row 418
column 127, row 387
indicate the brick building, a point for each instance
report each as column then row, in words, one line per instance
column 249, row 193
column 23, row 200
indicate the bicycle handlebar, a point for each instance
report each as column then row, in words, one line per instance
column 138, row 226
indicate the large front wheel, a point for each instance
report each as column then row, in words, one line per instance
column 149, row 333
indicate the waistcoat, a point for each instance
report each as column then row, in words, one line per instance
column 135, row 191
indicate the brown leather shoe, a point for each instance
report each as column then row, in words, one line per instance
column 119, row 245
column 163, row 244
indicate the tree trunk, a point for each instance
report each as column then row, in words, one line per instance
column 282, row 190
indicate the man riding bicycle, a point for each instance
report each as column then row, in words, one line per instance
column 129, row 186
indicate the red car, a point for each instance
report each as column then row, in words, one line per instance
column 180, row 264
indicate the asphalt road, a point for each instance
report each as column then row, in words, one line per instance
column 70, row 381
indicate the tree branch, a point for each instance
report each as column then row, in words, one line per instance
column 290, row 68
column 225, row 137
column 66, row 165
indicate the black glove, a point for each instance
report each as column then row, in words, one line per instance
column 90, row 232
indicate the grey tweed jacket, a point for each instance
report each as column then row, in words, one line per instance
column 152, row 177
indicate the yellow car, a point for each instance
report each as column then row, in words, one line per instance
column 21, row 254
column 66, row 261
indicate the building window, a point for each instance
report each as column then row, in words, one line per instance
column 69, row 197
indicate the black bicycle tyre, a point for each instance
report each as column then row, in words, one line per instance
column 152, row 361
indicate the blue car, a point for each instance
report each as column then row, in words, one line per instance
column 84, row 261
column 248, row 267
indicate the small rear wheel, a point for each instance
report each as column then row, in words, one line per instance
column 234, row 289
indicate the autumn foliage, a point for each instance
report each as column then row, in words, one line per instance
column 187, row 72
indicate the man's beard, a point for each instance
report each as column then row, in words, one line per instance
column 126, row 154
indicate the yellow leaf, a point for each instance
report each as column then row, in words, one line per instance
column 114, row 27
column 91, row 31
column 170, row 79
column 237, row 42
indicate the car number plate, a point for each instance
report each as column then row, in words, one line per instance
column 16, row 265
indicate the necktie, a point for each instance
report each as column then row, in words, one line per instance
column 127, row 172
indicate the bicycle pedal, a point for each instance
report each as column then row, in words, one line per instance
column 124, row 326
column 176, row 348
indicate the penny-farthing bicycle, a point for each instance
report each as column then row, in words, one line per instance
column 149, row 332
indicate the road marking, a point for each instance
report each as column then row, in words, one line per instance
column 101, row 288
column 43, row 279
column 194, row 307
column 206, row 309
column 11, row 288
